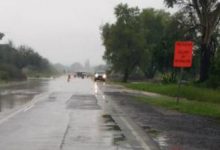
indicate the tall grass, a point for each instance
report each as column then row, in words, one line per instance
column 185, row 106
column 189, row 92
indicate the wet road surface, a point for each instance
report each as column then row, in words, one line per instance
column 13, row 96
column 73, row 115
column 170, row 129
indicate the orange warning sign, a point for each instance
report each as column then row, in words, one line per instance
column 183, row 54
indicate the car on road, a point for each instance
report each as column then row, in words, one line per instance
column 81, row 75
column 100, row 76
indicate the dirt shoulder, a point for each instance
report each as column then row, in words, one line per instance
column 172, row 130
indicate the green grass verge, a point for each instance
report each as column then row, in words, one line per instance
column 2, row 82
column 185, row 106
column 187, row 91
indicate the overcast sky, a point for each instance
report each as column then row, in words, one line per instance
column 64, row 31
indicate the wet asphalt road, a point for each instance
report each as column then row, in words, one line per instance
column 73, row 115
column 170, row 129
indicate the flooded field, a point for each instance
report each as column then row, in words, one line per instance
column 15, row 95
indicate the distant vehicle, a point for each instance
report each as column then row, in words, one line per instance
column 80, row 75
column 100, row 76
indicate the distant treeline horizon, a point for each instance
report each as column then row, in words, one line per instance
column 18, row 63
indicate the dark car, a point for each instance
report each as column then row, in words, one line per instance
column 100, row 76
column 80, row 75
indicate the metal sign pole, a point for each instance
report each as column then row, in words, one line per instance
column 179, row 86
column 182, row 59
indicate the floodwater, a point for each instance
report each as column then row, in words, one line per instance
column 15, row 95
column 69, row 116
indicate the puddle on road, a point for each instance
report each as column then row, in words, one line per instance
column 108, row 131
column 108, row 118
column 118, row 139
column 113, row 127
column 12, row 101
column 157, row 136
column 110, row 125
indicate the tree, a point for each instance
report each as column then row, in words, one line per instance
column 1, row 35
column 16, row 63
column 123, row 41
column 214, row 80
column 153, row 27
column 178, row 28
column 205, row 16
column 29, row 58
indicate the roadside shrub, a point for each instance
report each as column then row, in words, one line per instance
column 213, row 82
column 168, row 78
column 189, row 92
column 137, row 74
column 10, row 72
column 4, row 76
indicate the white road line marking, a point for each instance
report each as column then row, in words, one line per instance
column 142, row 142
column 28, row 108
column 10, row 116
column 34, row 101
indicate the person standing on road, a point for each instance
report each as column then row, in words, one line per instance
column 68, row 78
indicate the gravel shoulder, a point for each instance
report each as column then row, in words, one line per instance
column 170, row 129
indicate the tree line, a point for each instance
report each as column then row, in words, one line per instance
column 18, row 63
column 144, row 40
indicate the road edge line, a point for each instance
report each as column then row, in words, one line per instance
column 28, row 106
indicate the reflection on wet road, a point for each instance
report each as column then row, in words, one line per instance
column 68, row 117
column 90, row 127
column 13, row 96
column 73, row 115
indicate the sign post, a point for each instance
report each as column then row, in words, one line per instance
column 182, row 59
